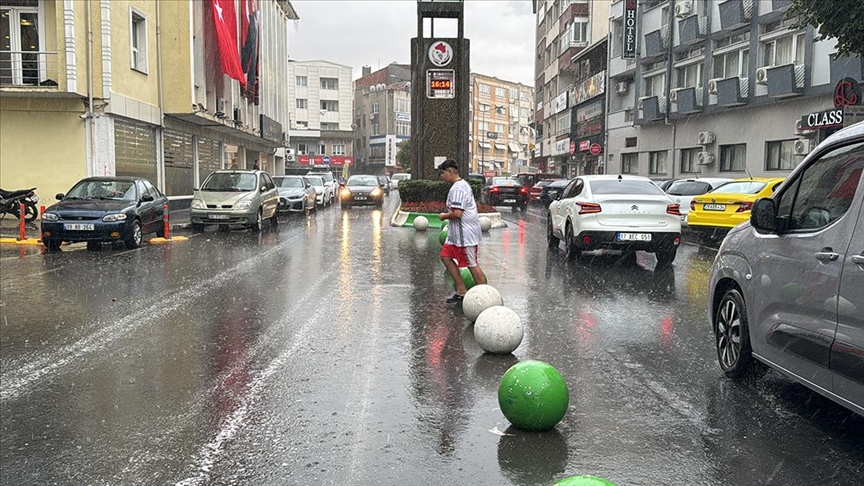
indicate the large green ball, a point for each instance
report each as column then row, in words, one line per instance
column 585, row 480
column 442, row 236
column 467, row 278
column 533, row 396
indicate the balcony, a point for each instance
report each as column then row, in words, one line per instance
column 786, row 81
column 735, row 14
column 655, row 45
column 30, row 70
column 565, row 60
column 688, row 100
column 692, row 29
column 652, row 107
column 732, row 91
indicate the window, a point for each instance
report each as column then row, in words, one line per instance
column 630, row 163
column 630, row 141
column 524, row 97
column 322, row 149
column 484, row 108
column 732, row 40
column 500, row 92
column 563, row 123
column 575, row 35
column 780, row 155
column 657, row 162
column 688, row 159
column 300, row 80
column 822, row 193
column 483, row 126
column 20, row 34
column 329, row 105
column 523, row 112
column 733, row 158
column 329, row 83
column 376, row 129
column 302, row 149
column 302, row 103
column 654, row 85
column 375, row 108
column 514, row 94
column 783, row 50
column 302, row 124
column 731, row 64
column 138, row 33
column 329, row 126
column 403, row 128
column 403, row 106
column 689, row 76
column 485, row 89
column 339, row 149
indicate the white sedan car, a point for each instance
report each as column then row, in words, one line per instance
column 616, row 213
column 682, row 191
column 322, row 192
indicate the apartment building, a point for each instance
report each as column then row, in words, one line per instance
column 501, row 139
column 382, row 117
column 149, row 101
column 564, row 29
column 321, row 134
column 720, row 88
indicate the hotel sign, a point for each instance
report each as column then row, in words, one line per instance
column 629, row 31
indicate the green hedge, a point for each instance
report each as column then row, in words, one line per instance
column 416, row 190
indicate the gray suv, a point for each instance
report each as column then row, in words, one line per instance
column 787, row 287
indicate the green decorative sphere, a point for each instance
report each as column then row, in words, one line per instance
column 466, row 277
column 533, row 396
column 585, row 480
column 442, row 236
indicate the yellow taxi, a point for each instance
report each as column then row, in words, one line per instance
column 729, row 205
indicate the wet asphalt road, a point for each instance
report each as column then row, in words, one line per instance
column 323, row 352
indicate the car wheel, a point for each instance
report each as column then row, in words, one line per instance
column 259, row 221
column 134, row 240
column 197, row 227
column 94, row 245
column 665, row 258
column 732, row 332
column 551, row 239
column 52, row 244
column 571, row 251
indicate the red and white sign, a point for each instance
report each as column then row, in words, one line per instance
column 225, row 20
column 595, row 149
column 440, row 53
column 303, row 159
column 584, row 145
column 572, row 148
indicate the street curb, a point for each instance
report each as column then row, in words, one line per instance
column 401, row 218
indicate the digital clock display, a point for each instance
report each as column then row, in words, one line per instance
column 441, row 84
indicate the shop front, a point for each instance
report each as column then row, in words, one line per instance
column 587, row 129
column 848, row 109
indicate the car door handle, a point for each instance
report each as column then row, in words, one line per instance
column 857, row 259
column 827, row 255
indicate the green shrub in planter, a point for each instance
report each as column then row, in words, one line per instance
column 418, row 190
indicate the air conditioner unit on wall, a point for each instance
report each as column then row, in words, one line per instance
column 705, row 158
column 799, row 128
column 220, row 107
column 673, row 96
column 684, row 9
column 762, row 75
column 706, row 138
column 641, row 102
column 622, row 87
column 712, row 85
column 803, row 146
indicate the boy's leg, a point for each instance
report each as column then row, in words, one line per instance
column 453, row 270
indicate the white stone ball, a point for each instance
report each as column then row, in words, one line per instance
column 498, row 330
column 480, row 298
column 485, row 223
column 421, row 223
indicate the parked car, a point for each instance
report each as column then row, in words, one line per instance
column 786, row 289
column 362, row 189
column 683, row 190
column 537, row 189
column 505, row 191
column 232, row 197
column 102, row 210
column 553, row 191
column 322, row 194
column 715, row 212
column 663, row 183
column 295, row 193
column 530, row 179
column 615, row 212
column 400, row 176
column 385, row 183
column 330, row 185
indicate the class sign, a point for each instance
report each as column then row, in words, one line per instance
column 823, row 119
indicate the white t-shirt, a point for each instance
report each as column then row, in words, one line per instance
column 464, row 231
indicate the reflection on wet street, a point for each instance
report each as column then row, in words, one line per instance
column 322, row 352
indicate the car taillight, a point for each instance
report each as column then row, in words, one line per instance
column 495, row 189
column 744, row 206
column 674, row 209
column 588, row 208
column 524, row 190
column 692, row 205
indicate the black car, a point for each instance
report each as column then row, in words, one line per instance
column 361, row 189
column 102, row 210
column 505, row 191
column 552, row 191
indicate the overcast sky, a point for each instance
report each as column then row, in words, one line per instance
column 375, row 33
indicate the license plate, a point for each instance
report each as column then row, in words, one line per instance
column 35, row 198
column 78, row 226
column 360, row 198
column 509, row 201
column 220, row 216
column 714, row 207
column 634, row 236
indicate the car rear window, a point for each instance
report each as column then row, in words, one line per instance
column 625, row 186
column 743, row 187
column 688, row 188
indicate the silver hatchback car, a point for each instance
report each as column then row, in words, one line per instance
column 787, row 287
column 231, row 197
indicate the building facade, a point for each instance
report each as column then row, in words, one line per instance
column 588, row 112
column 321, row 134
column 501, row 138
column 564, row 29
column 724, row 89
column 150, row 101
column 382, row 117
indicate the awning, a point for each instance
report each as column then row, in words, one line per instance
column 500, row 146
column 485, row 145
column 515, row 147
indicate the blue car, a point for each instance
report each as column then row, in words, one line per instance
column 103, row 210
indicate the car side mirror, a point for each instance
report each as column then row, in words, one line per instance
column 263, row 189
column 147, row 198
column 59, row 196
column 763, row 215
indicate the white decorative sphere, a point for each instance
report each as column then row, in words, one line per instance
column 421, row 223
column 498, row 330
column 485, row 223
column 480, row 298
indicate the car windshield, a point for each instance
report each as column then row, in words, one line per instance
column 288, row 182
column 101, row 189
column 625, row 186
column 362, row 181
column 315, row 181
column 400, row 177
column 230, row 182
column 741, row 187
column 688, row 188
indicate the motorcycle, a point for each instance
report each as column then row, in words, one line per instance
column 10, row 202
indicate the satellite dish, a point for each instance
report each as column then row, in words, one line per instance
column 372, row 88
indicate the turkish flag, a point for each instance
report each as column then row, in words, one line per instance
column 225, row 18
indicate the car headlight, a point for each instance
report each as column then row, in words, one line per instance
column 198, row 204
column 50, row 217
column 346, row 192
column 243, row 204
column 108, row 218
column 376, row 192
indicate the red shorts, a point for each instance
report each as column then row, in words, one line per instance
column 465, row 256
